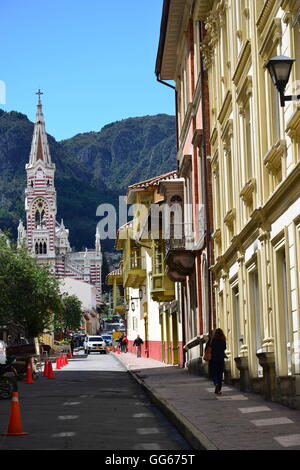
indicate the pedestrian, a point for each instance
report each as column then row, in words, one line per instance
column 207, row 354
column 218, row 347
column 125, row 344
column 72, row 344
column 119, row 341
column 138, row 343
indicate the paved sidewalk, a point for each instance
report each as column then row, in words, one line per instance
column 231, row 421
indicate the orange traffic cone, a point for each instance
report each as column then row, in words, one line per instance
column 29, row 375
column 118, row 350
column 67, row 362
column 46, row 368
column 15, row 423
column 50, row 371
column 63, row 363
column 57, row 363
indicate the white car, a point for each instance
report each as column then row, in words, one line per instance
column 2, row 352
column 94, row 344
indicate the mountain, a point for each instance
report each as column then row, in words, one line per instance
column 91, row 168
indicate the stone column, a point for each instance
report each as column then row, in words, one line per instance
column 243, row 367
column 242, row 360
column 266, row 355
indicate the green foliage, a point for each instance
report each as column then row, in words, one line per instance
column 91, row 168
column 69, row 318
column 29, row 292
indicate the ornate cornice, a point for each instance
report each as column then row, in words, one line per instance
column 272, row 160
column 243, row 59
column 245, row 91
column 265, row 14
column 272, row 38
column 248, row 190
column 226, row 107
column 213, row 26
column 293, row 125
column 229, row 218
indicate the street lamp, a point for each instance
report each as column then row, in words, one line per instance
column 280, row 70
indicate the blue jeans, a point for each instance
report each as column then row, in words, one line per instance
column 217, row 369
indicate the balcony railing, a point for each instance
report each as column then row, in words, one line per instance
column 119, row 304
column 162, row 289
column 134, row 272
column 180, row 255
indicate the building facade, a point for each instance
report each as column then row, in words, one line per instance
column 179, row 60
column 151, row 306
column 254, row 158
column 256, row 166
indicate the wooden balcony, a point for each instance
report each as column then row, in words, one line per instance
column 162, row 289
column 115, row 277
column 134, row 272
column 119, row 304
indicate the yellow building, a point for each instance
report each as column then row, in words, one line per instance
column 150, row 299
column 252, row 154
column 255, row 155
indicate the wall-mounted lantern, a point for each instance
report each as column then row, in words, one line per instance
column 280, row 70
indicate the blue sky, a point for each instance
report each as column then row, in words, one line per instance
column 93, row 59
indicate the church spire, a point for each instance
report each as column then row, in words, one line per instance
column 39, row 146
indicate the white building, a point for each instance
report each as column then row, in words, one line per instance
column 87, row 294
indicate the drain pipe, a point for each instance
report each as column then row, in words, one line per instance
column 207, row 195
column 176, row 108
column 181, row 306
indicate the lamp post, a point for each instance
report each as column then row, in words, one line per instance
column 280, row 70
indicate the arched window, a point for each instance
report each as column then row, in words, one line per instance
column 45, row 248
column 39, row 213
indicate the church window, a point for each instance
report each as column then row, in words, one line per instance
column 40, row 215
column 40, row 247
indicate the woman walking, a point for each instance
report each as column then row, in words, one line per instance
column 218, row 346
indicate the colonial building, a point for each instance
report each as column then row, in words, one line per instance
column 44, row 237
column 151, row 305
column 256, row 168
column 252, row 148
column 189, row 258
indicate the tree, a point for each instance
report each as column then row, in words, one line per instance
column 29, row 293
column 70, row 316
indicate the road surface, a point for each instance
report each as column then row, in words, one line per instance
column 91, row 404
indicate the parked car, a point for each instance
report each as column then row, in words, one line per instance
column 108, row 339
column 2, row 352
column 94, row 343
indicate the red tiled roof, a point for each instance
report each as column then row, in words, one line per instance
column 153, row 181
column 116, row 272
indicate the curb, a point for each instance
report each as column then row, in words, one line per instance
column 192, row 435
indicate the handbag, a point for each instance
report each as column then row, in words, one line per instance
column 207, row 354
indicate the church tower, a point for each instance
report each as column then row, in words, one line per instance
column 40, row 195
column 45, row 238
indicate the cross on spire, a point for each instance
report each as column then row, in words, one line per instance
column 39, row 92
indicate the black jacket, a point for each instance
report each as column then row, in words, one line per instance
column 138, row 341
column 218, row 347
